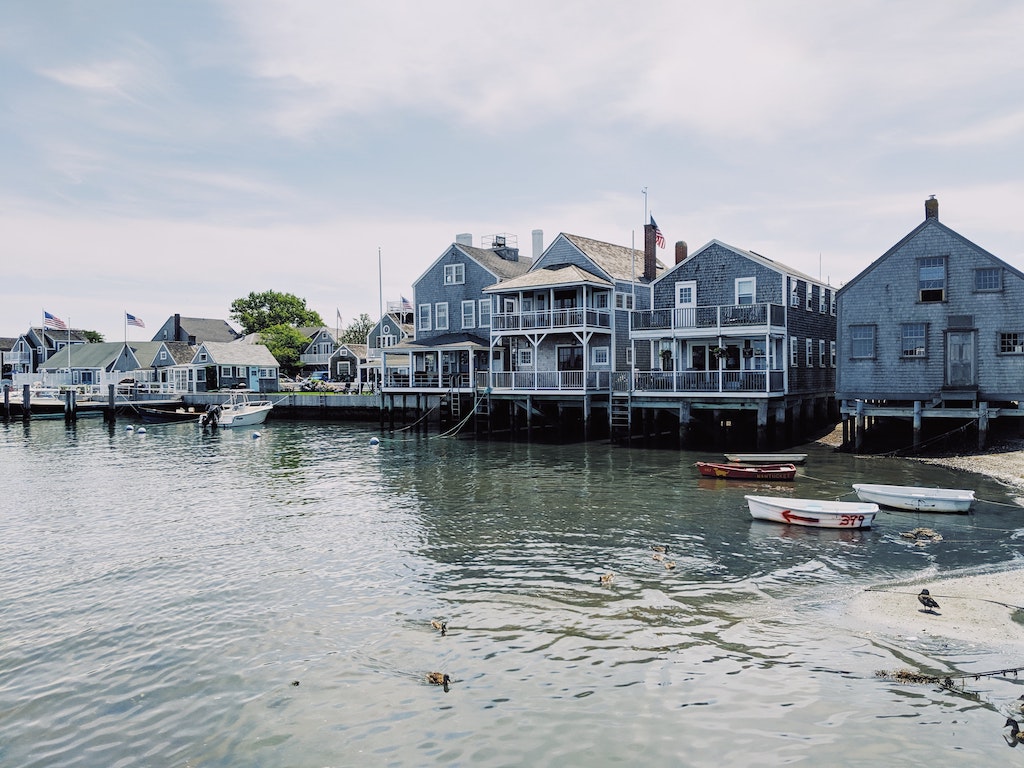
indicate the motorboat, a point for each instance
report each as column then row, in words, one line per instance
column 916, row 498
column 238, row 411
column 747, row 471
column 815, row 513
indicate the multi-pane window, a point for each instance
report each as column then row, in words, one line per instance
column 744, row 290
column 794, row 293
column 525, row 357
column 423, row 322
column 469, row 314
column 808, row 352
column 832, row 353
column 1011, row 343
column 623, row 301
column 914, row 338
column 931, row 278
column 810, row 298
column 822, row 301
column 454, row 274
column 862, row 341
column 601, row 301
column 441, row 316
column 821, row 353
column 485, row 313
column 988, row 279
column 600, row 355
column 794, row 352
column 684, row 294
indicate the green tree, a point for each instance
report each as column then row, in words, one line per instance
column 264, row 310
column 355, row 332
column 93, row 337
column 286, row 344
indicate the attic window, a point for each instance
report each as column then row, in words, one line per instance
column 931, row 278
column 454, row 274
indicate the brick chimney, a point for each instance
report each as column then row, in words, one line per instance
column 650, row 260
column 931, row 208
column 681, row 251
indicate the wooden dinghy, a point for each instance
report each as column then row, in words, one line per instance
column 812, row 512
column 747, row 471
column 767, row 458
column 915, row 498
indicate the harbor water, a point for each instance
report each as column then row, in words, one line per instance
column 232, row 598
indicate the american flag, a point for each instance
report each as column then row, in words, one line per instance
column 406, row 305
column 659, row 239
column 52, row 321
column 133, row 320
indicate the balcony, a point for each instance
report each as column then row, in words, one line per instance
column 574, row 382
column 548, row 319
column 701, row 382
column 709, row 321
column 316, row 359
column 421, row 380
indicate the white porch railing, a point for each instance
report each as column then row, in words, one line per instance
column 577, row 317
column 550, row 381
column 724, row 317
column 697, row 382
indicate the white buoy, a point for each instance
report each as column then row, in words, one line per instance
column 256, row 435
column 374, row 441
column 141, row 431
column 130, row 428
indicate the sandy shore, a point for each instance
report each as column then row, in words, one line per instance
column 974, row 609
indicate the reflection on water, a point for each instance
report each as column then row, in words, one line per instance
column 163, row 591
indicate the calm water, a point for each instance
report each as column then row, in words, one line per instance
column 163, row 591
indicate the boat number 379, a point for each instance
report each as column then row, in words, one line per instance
column 854, row 521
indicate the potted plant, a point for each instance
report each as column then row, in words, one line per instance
column 718, row 353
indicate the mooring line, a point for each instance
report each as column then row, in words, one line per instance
column 946, row 597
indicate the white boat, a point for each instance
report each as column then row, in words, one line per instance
column 812, row 512
column 767, row 458
column 239, row 411
column 915, row 498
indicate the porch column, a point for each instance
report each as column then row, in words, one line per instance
column 917, row 424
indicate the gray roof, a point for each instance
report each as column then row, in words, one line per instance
column 620, row 262
column 7, row 343
column 776, row 266
column 180, row 351
column 445, row 341
column 205, row 329
column 491, row 261
column 359, row 350
column 549, row 277
column 222, row 353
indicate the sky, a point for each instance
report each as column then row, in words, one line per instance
column 160, row 158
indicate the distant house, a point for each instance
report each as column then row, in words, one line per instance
column 317, row 354
column 166, row 363
column 349, row 364
column 453, row 317
column 90, row 364
column 933, row 328
column 195, row 330
column 394, row 328
column 36, row 346
column 735, row 336
column 6, row 353
column 220, row 365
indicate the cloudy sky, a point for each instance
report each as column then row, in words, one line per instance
column 162, row 157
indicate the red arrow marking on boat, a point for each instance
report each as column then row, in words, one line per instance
column 789, row 517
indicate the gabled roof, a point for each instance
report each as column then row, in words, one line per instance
column 775, row 266
column 146, row 351
column 7, row 343
column 617, row 261
column 549, row 277
column 358, row 351
column 930, row 222
column 181, row 352
column 227, row 353
column 86, row 356
column 54, row 336
column 448, row 340
column 502, row 269
column 206, row 329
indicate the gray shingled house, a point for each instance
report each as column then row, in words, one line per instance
column 932, row 329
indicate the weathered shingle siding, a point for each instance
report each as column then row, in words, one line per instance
column 562, row 252
column 431, row 289
column 715, row 269
column 886, row 296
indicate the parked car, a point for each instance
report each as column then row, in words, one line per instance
column 320, row 376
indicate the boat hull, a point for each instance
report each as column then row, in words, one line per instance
column 812, row 512
column 916, row 499
column 767, row 458
column 747, row 472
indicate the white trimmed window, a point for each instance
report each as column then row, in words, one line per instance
column 485, row 313
column 599, row 356
column 454, row 274
column 822, row 301
column 794, row 352
column 810, row 298
column 1011, row 343
column 745, row 287
column 832, row 353
column 821, row 353
column 862, row 341
column 469, row 314
column 794, row 293
column 623, row 300
column 441, row 316
column 808, row 352
column 915, row 339
column 423, row 321
column 525, row 357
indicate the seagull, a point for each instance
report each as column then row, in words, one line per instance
column 1011, row 732
column 927, row 601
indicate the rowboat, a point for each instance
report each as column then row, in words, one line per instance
column 747, row 471
column 812, row 512
column 915, row 498
column 767, row 458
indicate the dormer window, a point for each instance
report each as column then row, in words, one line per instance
column 454, row 274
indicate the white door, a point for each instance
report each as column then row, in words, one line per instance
column 686, row 304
